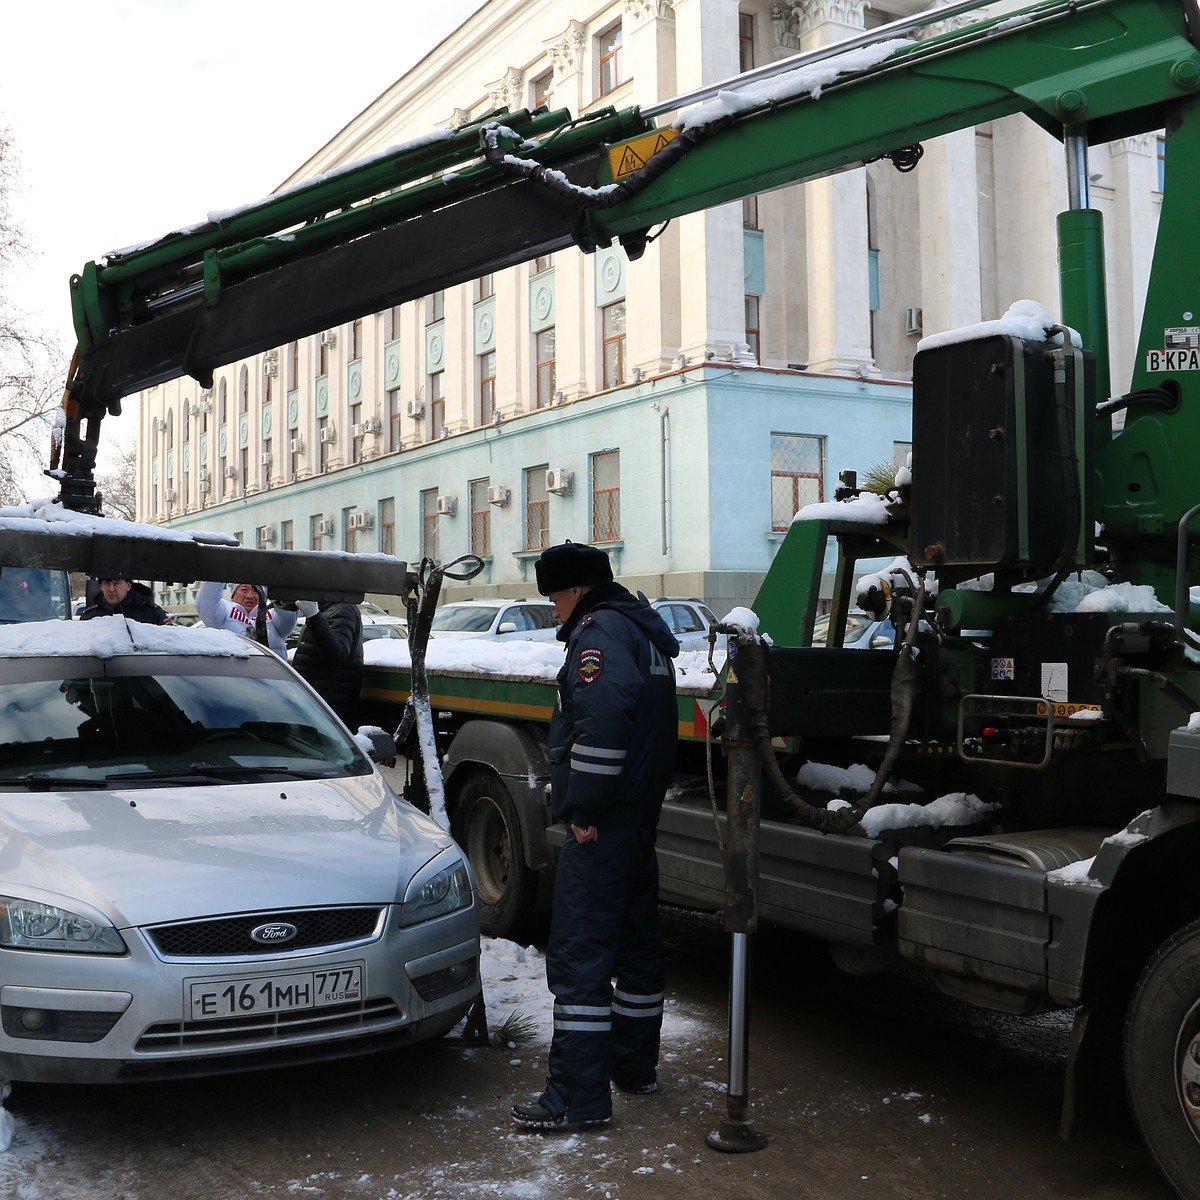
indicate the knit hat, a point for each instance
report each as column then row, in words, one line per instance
column 571, row 565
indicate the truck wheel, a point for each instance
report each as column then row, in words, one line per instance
column 487, row 828
column 1162, row 1058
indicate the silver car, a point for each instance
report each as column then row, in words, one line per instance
column 496, row 620
column 201, row 871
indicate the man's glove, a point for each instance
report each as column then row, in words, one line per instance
column 306, row 608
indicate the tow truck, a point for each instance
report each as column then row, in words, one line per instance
column 1073, row 885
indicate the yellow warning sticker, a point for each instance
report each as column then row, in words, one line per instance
column 628, row 157
column 1066, row 710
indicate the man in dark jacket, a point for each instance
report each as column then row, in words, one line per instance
column 122, row 597
column 612, row 752
column 330, row 655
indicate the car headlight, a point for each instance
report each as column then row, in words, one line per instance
column 446, row 892
column 31, row 925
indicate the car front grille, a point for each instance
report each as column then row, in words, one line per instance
column 229, row 937
column 172, row 1036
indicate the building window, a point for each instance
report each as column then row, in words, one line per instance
column 243, row 391
column 356, row 341
column 613, row 335
column 315, row 523
column 1160, row 151
column 481, row 518
column 294, row 443
column 221, row 401
column 753, row 327
column 435, row 307
column 608, row 46
column 287, row 536
column 185, row 421
column 222, row 479
column 429, row 524
column 356, row 433
column 323, row 347
column 325, row 440
column 391, row 323
column 606, row 496
column 393, row 418
column 750, row 212
column 487, row 387
column 265, row 462
column 541, row 90
column 745, row 41
column 437, row 407
column 244, row 468
column 485, row 287
column 547, row 375
column 349, row 531
column 543, row 263
column 900, row 454
column 387, row 526
column 797, row 476
column 537, row 509
column 292, row 378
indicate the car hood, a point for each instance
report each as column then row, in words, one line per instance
column 162, row 854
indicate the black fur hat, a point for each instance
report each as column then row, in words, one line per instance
column 572, row 564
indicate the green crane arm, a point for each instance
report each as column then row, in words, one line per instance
column 462, row 203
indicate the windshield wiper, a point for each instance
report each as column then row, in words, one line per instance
column 198, row 772
column 39, row 781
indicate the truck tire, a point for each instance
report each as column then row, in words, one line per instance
column 1162, row 1058
column 487, row 828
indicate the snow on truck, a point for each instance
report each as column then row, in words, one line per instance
column 1010, row 796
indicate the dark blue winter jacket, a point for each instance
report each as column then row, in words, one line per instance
column 612, row 737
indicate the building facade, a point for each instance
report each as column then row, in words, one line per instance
column 676, row 410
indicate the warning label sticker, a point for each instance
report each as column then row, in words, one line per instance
column 630, row 156
column 1004, row 668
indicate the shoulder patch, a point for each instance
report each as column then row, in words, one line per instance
column 586, row 620
column 591, row 664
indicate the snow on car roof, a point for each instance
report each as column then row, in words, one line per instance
column 110, row 637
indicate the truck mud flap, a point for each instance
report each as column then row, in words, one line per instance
column 827, row 886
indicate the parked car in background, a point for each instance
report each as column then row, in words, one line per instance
column 498, row 620
column 209, row 875
column 688, row 619
column 376, row 622
column 863, row 632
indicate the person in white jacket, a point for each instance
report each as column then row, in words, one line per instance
column 247, row 613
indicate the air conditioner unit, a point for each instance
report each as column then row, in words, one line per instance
column 416, row 408
column 372, row 425
column 205, row 394
column 171, row 495
column 558, row 481
column 364, row 520
column 204, row 476
column 329, row 435
column 498, row 495
column 325, row 527
column 193, row 410
column 296, row 445
column 270, row 369
column 266, row 536
column 231, row 472
column 205, row 485
column 157, row 426
column 357, row 430
column 266, row 458
column 913, row 320
column 329, row 338
column 446, row 506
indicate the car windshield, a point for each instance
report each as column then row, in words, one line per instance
column 856, row 623
column 188, row 727
column 464, row 618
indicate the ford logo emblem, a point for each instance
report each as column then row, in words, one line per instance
column 276, row 931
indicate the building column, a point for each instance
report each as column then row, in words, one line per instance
column 949, row 227
column 1134, row 181
column 651, row 294
column 837, row 238
column 711, row 269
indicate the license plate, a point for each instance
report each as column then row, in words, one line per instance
column 214, row 999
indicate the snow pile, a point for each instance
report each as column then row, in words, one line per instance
column 1025, row 319
column 110, row 637
column 532, row 661
column 744, row 620
column 1076, row 874
column 957, row 808
column 1193, row 724
column 36, row 514
column 803, row 81
column 6, row 1118
column 896, row 575
column 835, row 780
column 1123, row 597
column 867, row 508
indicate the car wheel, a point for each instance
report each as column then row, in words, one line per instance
column 1162, row 1058
column 487, row 828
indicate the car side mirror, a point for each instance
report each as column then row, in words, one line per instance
column 377, row 744
column 507, row 627
column 881, row 641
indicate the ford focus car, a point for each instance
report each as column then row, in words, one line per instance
column 200, row 869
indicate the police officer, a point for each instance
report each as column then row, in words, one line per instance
column 612, row 752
